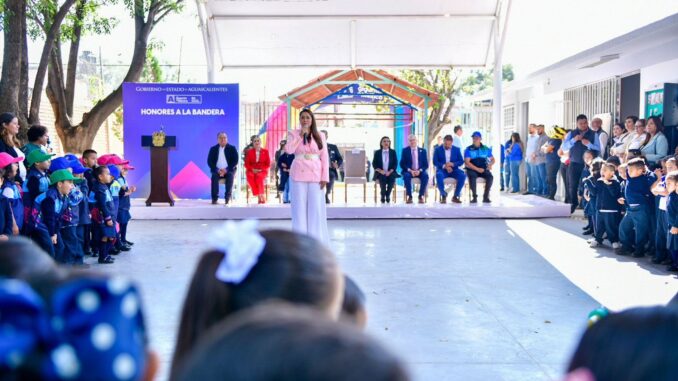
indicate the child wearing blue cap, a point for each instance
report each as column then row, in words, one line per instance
column 103, row 217
column 84, row 220
column 116, row 188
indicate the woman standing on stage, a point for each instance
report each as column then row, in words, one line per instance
column 308, row 177
column 257, row 162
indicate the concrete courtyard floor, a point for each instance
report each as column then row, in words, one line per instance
column 456, row 299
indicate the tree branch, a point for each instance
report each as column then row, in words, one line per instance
column 73, row 57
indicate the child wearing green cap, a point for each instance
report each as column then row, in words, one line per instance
column 50, row 207
column 36, row 183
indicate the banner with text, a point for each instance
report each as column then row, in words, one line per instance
column 194, row 113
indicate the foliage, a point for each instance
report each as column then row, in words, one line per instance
column 152, row 69
column 481, row 80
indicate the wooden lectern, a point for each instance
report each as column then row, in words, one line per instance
column 159, row 169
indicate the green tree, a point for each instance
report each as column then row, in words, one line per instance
column 448, row 84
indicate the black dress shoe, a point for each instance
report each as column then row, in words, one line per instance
column 128, row 243
column 486, row 200
column 327, row 200
column 638, row 254
column 657, row 261
column 456, row 200
column 125, row 248
column 672, row 268
column 588, row 232
column 474, row 200
column 214, row 202
column 388, row 200
column 443, row 200
column 421, row 200
column 409, row 200
column 667, row 261
column 107, row 260
column 622, row 251
column 115, row 251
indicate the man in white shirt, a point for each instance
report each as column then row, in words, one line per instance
column 459, row 139
column 602, row 136
column 223, row 162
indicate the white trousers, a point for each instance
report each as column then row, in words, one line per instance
column 309, row 215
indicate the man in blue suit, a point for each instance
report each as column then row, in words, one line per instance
column 414, row 163
column 448, row 161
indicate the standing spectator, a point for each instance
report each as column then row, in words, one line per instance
column 460, row 140
column 531, row 149
column 479, row 161
column 9, row 143
column 514, row 159
column 335, row 162
column 223, row 162
column 385, row 163
column 576, row 143
column 506, row 166
column 657, row 146
column 540, row 161
column 550, row 149
column 619, row 136
column 638, row 138
column 602, row 137
column 37, row 139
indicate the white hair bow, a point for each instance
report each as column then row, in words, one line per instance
column 242, row 246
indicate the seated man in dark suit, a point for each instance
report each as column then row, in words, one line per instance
column 479, row 161
column 448, row 161
column 385, row 163
column 335, row 162
column 223, row 162
column 414, row 163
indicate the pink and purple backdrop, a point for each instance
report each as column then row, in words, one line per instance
column 194, row 113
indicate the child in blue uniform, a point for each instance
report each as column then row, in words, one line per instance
column 661, row 252
column 6, row 219
column 586, row 172
column 115, row 188
column 9, row 190
column 103, row 218
column 124, row 215
column 608, row 211
column 672, row 213
column 84, row 220
column 51, row 207
column 36, row 184
column 589, row 192
column 635, row 226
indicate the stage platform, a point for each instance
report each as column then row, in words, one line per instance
column 504, row 206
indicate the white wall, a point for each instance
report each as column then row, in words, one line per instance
column 654, row 77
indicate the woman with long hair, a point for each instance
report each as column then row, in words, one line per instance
column 656, row 146
column 515, row 155
column 308, row 177
column 9, row 143
column 257, row 162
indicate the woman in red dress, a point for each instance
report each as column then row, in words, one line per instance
column 257, row 163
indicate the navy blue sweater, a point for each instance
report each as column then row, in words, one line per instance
column 6, row 221
column 672, row 209
column 103, row 201
column 52, row 205
column 638, row 189
column 608, row 194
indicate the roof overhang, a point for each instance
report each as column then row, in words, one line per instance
column 349, row 33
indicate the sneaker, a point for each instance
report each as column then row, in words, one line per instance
column 616, row 245
column 595, row 243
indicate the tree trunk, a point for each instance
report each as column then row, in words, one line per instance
column 76, row 138
column 15, row 12
column 73, row 58
column 50, row 36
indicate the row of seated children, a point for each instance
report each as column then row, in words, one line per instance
column 634, row 208
column 70, row 207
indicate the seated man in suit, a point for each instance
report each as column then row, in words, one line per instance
column 385, row 163
column 448, row 161
column 414, row 163
column 479, row 161
column 335, row 162
column 223, row 162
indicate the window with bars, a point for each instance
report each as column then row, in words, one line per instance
column 592, row 99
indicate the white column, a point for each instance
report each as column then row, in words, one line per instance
column 497, row 97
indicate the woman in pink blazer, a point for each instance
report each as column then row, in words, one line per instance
column 308, row 177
